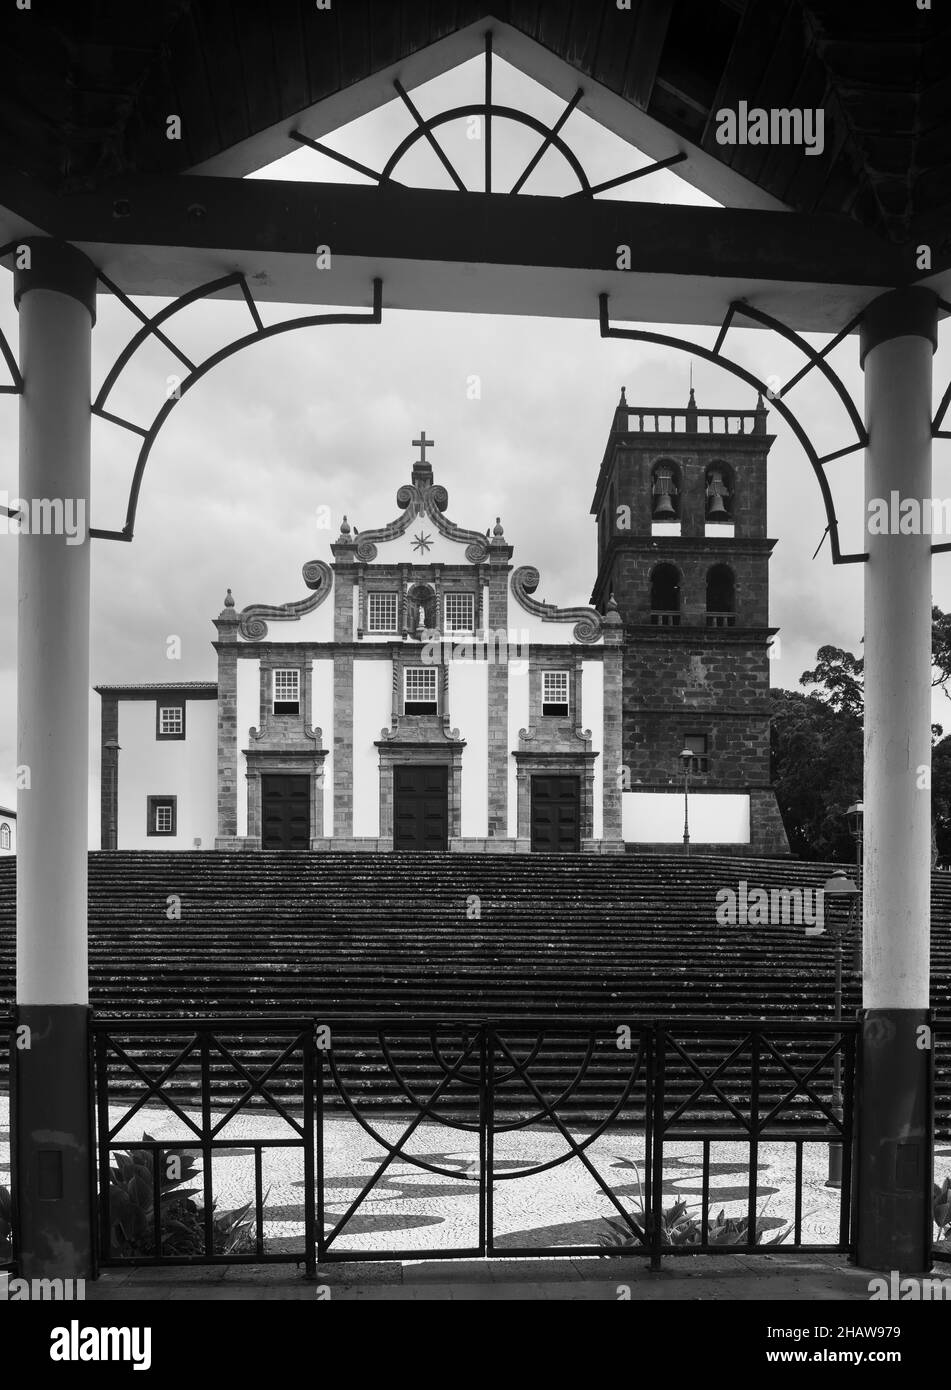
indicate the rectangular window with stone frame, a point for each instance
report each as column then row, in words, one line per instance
column 170, row 720
column 458, row 613
column 420, row 690
column 699, row 747
column 286, row 691
column 162, row 814
column 383, row 611
column 555, row 693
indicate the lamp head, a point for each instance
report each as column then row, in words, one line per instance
column 839, row 885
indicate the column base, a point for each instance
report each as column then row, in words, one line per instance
column 894, row 1141
column 51, row 1149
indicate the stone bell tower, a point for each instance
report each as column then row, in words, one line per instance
column 681, row 510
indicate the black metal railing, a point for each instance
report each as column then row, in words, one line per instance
column 646, row 1092
column 477, row 1085
column 753, row 1084
column 562, row 1137
column 209, row 1076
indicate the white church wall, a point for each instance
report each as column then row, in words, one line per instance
column 469, row 713
column 524, row 628
column 317, row 626
column 372, row 705
column 184, row 768
column 518, row 719
column 248, row 692
column 592, row 717
column 658, row 817
column 322, row 714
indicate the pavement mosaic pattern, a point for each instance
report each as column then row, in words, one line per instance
column 410, row 1208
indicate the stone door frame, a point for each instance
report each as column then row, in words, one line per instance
column 537, row 762
column 393, row 754
column 309, row 762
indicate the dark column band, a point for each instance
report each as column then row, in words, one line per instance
column 898, row 314
column 55, row 265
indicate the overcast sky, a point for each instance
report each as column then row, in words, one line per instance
column 325, row 418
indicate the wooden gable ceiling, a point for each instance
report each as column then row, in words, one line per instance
column 86, row 89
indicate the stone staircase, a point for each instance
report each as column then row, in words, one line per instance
column 460, row 937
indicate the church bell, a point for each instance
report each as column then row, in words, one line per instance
column 716, row 491
column 663, row 500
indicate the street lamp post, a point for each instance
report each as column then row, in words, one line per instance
column 855, row 815
column 686, row 758
column 838, row 886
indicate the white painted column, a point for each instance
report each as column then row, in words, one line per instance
column 54, row 288
column 897, row 879
column 53, row 653
column 895, row 1110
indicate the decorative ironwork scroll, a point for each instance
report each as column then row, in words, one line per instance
column 487, row 111
column 816, row 360
column 151, row 327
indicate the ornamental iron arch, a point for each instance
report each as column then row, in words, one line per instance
column 152, row 328
column 816, row 360
column 487, row 111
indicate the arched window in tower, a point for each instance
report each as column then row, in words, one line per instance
column 719, row 489
column 665, row 495
column 665, row 596
column 721, row 597
column 4, row 836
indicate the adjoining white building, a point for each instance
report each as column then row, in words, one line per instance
column 158, row 765
column 8, row 830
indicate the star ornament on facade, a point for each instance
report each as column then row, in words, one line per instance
column 422, row 543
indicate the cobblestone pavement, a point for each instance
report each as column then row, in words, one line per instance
column 410, row 1208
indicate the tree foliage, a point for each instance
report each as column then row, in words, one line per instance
column 816, row 768
column 839, row 678
column 816, row 750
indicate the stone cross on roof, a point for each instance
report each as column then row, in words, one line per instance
column 422, row 443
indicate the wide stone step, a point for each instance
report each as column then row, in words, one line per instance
column 627, row 936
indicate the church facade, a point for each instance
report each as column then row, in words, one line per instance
column 420, row 696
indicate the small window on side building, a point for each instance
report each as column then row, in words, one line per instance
column 162, row 815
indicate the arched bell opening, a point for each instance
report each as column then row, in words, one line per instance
column 719, row 490
column 665, row 596
column 721, row 596
column 666, row 497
